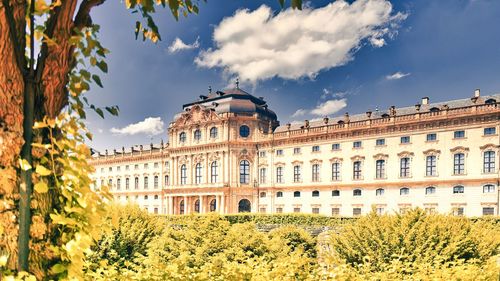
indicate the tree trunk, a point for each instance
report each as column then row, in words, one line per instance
column 11, row 127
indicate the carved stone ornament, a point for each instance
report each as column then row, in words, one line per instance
column 380, row 156
column 336, row 160
column 432, row 152
column 459, row 149
column 405, row 154
column 197, row 115
column 489, row 146
column 357, row 158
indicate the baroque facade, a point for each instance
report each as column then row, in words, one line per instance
column 227, row 153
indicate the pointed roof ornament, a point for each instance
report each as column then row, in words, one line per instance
column 237, row 83
column 209, row 89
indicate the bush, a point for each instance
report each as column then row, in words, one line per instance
column 413, row 244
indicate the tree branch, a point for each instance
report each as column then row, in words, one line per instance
column 17, row 32
column 82, row 18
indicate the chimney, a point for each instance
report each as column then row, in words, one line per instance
column 477, row 93
column 417, row 107
column 425, row 100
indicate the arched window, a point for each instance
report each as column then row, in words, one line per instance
column 213, row 132
column 458, row 189
column 489, row 188
column 244, row 206
column 459, row 164
column 385, row 115
column 181, row 207
column 430, row 190
column 490, row 101
column 145, row 197
column 110, row 183
column 404, row 191
column 197, row 135
column 136, row 183
column 156, row 197
column 379, row 192
column 155, row 182
column 166, row 180
column 489, row 162
column 213, row 205
column 197, row 174
column 335, row 193
column 118, row 183
column 356, row 192
column 315, row 193
column 279, row 194
column 127, row 183
column 262, row 195
column 315, row 172
column 197, row 206
column 296, row 194
column 182, row 137
column 145, row 182
column 214, row 173
column 183, row 174
column 434, row 109
column 244, row 172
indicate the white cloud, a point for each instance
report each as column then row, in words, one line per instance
column 179, row 45
column 329, row 94
column 299, row 112
column 257, row 45
column 397, row 75
column 329, row 107
column 150, row 126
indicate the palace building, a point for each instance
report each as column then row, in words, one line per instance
column 228, row 153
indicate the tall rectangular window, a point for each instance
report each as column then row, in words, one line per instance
column 136, row 183
column 336, row 171
column 459, row 164
column 214, row 172
column 262, row 175
column 155, row 182
column 430, row 166
column 380, row 169
column 315, row 172
column 145, row 182
column 356, row 167
column 296, row 173
column 489, row 162
column 279, row 174
column 197, row 173
column 127, row 183
column 404, row 170
column 183, row 174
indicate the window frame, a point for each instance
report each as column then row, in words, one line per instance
column 244, row 171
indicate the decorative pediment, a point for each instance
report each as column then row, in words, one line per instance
column 214, row 157
column 357, row 158
column 432, row 152
column 198, row 158
column 183, row 160
column 196, row 115
column 264, row 164
column 279, row 164
column 489, row 146
column 380, row 156
column 316, row 161
column 405, row 154
column 336, row 159
column 459, row 149
column 297, row 162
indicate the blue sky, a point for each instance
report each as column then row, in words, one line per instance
column 326, row 60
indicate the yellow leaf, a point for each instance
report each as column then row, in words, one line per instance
column 42, row 171
column 23, row 163
column 41, row 187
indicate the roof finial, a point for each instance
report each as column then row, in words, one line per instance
column 209, row 89
column 237, row 83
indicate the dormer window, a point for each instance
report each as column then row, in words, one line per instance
column 197, row 135
column 213, row 132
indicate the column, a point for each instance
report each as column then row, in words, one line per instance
column 186, row 205
column 222, row 206
column 170, row 205
column 217, row 204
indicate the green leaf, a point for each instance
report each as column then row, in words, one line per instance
column 103, row 66
column 58, row 268
column 97, row 80
column 297, row 4
column 41, row 187
column 113, row 110
column 282, row 3
column 42, row 171
column 99, row 111
column 138, row 27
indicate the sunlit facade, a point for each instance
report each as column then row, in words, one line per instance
column 228, row 153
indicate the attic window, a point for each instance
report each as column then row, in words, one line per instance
column 340, row 122
column 434, row 109
column 385, row 115
column 490, row 101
